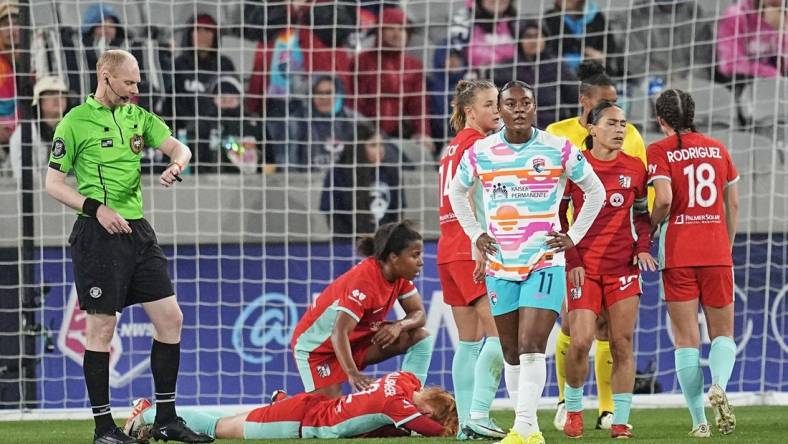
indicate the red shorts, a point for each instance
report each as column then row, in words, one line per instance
column 602, row 291
column 712, row 285
column 324, row 369
column 457, row 283
column 290, row 409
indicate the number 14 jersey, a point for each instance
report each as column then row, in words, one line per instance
column 695, row 234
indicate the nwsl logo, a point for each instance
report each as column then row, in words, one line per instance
column 267, row 323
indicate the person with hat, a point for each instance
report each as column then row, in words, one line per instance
column 117, row 260
column 49, row 106
column 9, row 53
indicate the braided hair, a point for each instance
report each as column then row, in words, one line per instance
column 592, row 74
column 677, row 109
column 465, row 95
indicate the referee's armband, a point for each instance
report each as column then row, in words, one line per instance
column 90, row 207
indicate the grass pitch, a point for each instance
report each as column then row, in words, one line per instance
column 755, row 425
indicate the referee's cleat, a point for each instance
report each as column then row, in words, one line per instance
column 701, row 431
column 726, row 420
column 135, row 421
column 604, row 421
column 560, row 416
column 484, row 428
column 114, row 436
column 278, row 395
column 177, row 430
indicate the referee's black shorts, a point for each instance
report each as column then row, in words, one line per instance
column 113, row 271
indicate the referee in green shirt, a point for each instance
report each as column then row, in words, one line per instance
column 117, row 260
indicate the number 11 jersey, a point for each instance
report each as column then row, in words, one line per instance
column 695, row 234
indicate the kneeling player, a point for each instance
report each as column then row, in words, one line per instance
column 393, row 405
column 604, row 274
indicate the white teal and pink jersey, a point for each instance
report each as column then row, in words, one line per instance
column 523, row 186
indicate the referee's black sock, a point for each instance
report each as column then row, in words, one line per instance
column 96, row 367
column 164, row 362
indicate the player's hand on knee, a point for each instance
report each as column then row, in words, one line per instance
column 645, row 261
column 387, row 334
column 112, row 221
column 577, row 276
column 359, row 381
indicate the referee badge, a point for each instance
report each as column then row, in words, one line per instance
column 137, row 143
column 58, row 148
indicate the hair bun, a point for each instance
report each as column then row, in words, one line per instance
column 588, row 69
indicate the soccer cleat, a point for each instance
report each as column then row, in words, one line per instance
column 535, row 438
column 621, row 431
column 701, row 431
column 726, row 420
column 604, row 421
column 135, row 421
column 114, row 436
column 177, row 430
column 278, row 395
column 560, row 416
column 514, row 437
column 484, row 428
column 574, row 425
column 462, row 436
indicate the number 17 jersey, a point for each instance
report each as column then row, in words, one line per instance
column 695, row 234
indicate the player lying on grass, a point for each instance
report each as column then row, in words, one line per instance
column 394, row 405
column 603, row 277
column 345, row 328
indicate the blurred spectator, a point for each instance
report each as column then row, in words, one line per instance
column 9, row 52
column 492, row 39
column 390, row 84
column 282, row 64
column 555, row 81
column 49, row 106
column 581, row 32
column 450, row 67
column 752, row 40
column 226, row 142
column 318, row 131
column 666, row 39
column 360, row 193
column 196, row 69
column 101, row 30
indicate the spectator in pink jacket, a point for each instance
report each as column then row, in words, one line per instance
column 390, row 85
column 752, row 39
column 493, row 39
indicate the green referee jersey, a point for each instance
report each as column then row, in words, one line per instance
column 103, row 147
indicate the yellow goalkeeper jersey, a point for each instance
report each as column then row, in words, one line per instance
column 576, row 133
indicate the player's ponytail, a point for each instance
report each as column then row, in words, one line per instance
column 444, row 409
column 592, row 74
column 465, row 95
column 677, row 109
column 594, row 116
column 390, row 238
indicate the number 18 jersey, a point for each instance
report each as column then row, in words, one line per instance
column 695, row 234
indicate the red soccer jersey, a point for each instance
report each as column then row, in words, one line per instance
column 388, row 401
column 453, row 243
column 695, row 233
column 363, row 293
column 621, row 230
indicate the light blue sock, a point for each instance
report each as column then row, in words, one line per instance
column 573, row 398
column 690, row 378
column 462, row 375
column 417, row 358
column 622, row 403
column 487, row 375
column 199, row 420
column 721, row 359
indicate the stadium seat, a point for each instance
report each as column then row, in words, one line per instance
column 715, row 105
column 764, row 99
column 241, row 52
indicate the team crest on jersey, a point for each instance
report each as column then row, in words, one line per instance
column 625, row 181
column 576, row 293
column 58, row 148
column 493, row 298
column 616, row 199
column 137, row 143
column 323, row 370
column 538, row 165
column 499, row 191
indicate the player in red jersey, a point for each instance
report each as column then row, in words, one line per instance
column 476, row 368
column 393, row 405
column 345, row 328
column 603, row 277
column 695, row 211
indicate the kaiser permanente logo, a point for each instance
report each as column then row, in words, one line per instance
column 687, row 219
